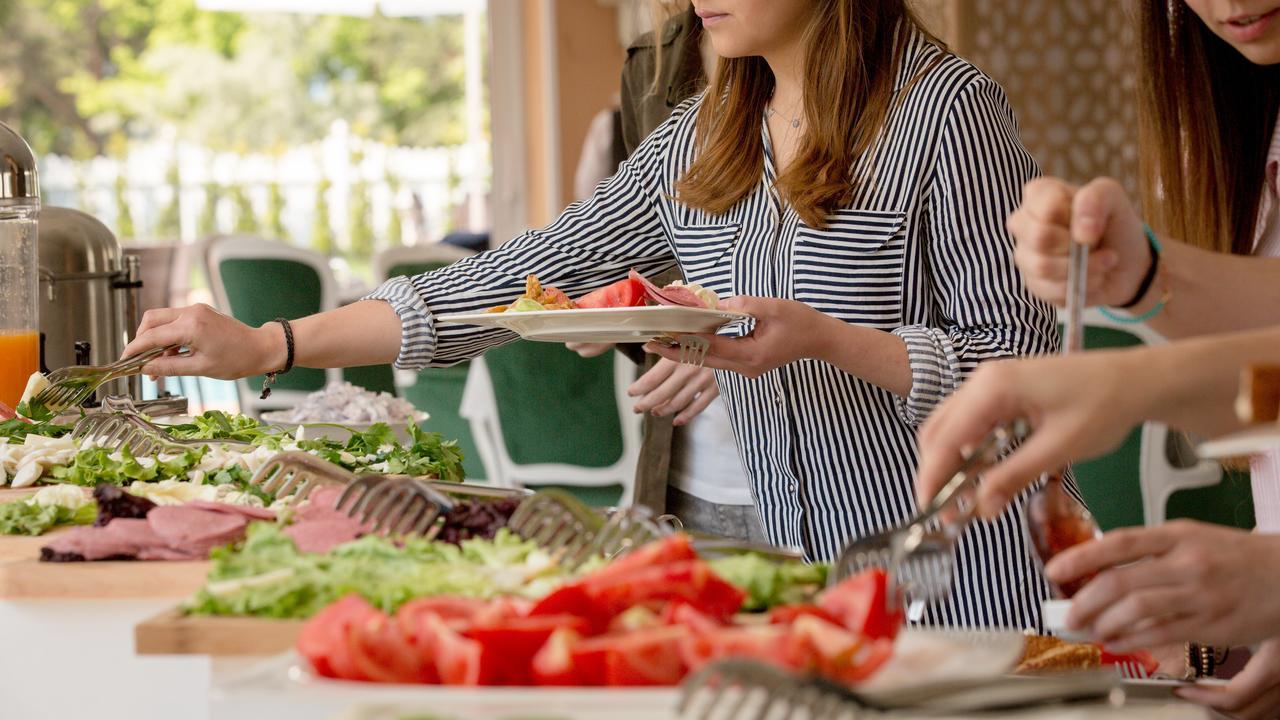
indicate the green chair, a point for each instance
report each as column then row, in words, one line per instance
column 436, row 391
column 256, row 280
column 542, row 415
column 1107, row 482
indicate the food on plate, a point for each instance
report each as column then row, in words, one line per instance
column 132, row 528
column 677, row 293
column 634, row 291
column 344, row 403
column 268, row 576
column 536, row 297
column 1043, row 654
column 647, row 618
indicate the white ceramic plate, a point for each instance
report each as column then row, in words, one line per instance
column 603, row 325
column 1251, row 441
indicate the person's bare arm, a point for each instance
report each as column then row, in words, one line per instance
column 362, row 333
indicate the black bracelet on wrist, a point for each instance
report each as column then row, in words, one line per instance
column 270, row 377
column 1147, row 279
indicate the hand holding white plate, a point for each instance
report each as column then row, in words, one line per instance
column 603, row 325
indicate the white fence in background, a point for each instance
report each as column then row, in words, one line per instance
column 450, row 183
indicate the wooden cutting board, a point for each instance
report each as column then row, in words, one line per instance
column 174, row 633
column 8, row 494
column 25, row 547
column 30, row 579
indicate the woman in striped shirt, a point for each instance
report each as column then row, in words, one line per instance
column 841, row 163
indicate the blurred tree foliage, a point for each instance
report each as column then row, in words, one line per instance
column 273, row 224
column 322, row 239
column 75, row 72
column 246, row 219
column 169, row 223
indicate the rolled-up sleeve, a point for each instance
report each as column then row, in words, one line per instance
column 592, row 243
column 981, row 308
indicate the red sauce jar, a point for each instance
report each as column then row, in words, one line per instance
column 1057, row 521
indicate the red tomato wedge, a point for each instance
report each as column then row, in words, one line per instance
column 861, row 605
column 692, row 582
column 381, row 652
column 644, row 657
column 447, row 607
column 509, row 647
column 787, row 614
column 624, row 293
column 458, row 660
column 761, row 642
column 1141, row 657
column 553, row 663
column 325, row 641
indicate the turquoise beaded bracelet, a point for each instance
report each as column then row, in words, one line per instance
column 1143, row 287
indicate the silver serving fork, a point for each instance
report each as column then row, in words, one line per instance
column 394, row 505
column 730, row 688
column 693, row 350
column 297, row 473
column 117, row 430
column 920, row 554
column 735, row 688
column 71, row 386
column 572, row 532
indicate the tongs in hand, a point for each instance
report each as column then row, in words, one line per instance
column 919, row 555
column 71, row 386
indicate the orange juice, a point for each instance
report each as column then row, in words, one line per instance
column 19, row 357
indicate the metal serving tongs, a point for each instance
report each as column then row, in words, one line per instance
column 120, row 429
column 919, row 555
column 738, row 688
column 572, row 532
column 71, row 386
column 392, row 504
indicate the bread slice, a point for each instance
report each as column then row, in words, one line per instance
column 1046, row 654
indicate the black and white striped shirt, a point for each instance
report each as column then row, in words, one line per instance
column 921, row 252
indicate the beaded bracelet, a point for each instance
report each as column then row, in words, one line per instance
column 1143, row 287
column 270, row 378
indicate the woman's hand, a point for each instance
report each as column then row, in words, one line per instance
column 670, row 388
column 1079, row 407
column 589, row 350
column 1173, row 583
column 785, row 331
column 1100, row 215
column 1254, row 694
column 217, row 346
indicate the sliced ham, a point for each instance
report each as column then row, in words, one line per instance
column 253, row 513
column 120, row 538
column 196, row 530
column 670, row 295
column 319, row 527
column 165, row 552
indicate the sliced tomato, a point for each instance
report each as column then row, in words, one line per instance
column 624, row 293
column 508, row 647
column 787, row 614
column 645, row 657
column 553, row 663
column 684, row 614
column 861, row 604
column 673, row 549
column 1141, row 657
column 500, row 610
column 458, row 660
column 6, row 412
column 759, row 642
column 574, row 599
column 381, row 652
column 324, row 639
column 829, row 648
column 692, row 582
column 447, row 607
column 869, row 658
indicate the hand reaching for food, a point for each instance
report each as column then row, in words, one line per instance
column 1253, row 694
column 670, row 388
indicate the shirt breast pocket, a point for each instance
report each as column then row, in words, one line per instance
column 705, row 253
column 852, row 268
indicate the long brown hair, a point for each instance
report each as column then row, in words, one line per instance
column 853, row 50
column 1205, row 121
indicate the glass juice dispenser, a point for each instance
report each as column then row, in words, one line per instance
column 19, row 273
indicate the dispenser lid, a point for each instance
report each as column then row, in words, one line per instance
column 18, row 177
